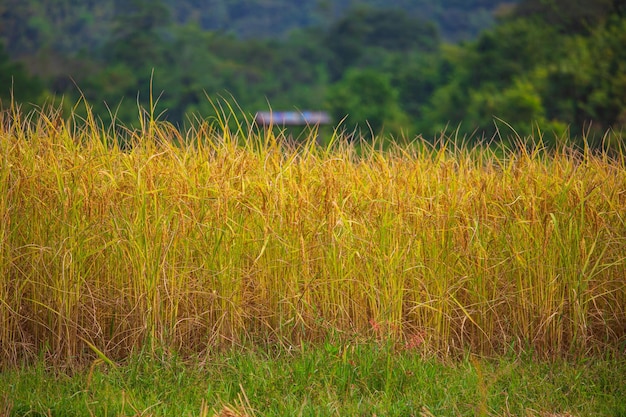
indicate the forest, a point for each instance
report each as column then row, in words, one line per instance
column 481, row 69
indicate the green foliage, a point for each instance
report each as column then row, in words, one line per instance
column 15, row 83
column 532, row 77
column 416, row 77
column 606, row 87
column 354, row 36
column 367, row 100
column 507, row 51
column 137, row 39
column 570, row 16
column 66, row 26
column 253, row 18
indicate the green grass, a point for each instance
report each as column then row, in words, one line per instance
column 332, row 380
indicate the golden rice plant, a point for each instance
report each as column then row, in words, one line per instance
column 191, row 240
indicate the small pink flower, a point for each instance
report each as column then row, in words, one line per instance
column 375, row 325
column 414, row 341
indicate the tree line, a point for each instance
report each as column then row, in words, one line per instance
column 557, row 68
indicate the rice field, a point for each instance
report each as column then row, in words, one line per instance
column 211, row 238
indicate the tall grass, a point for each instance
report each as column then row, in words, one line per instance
column 210, row 237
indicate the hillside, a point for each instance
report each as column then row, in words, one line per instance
column 250, row 18
column 70, row 26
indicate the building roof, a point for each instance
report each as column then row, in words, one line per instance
column 292, row 118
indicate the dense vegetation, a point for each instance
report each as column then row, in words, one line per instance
column 545, row 67
column 364, row 379
column 29, row 25
column 190, row 241
column 189, row 273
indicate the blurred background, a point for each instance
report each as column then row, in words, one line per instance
column 474, row 68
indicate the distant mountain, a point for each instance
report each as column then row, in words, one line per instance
column 70, row 26
column 457, row 19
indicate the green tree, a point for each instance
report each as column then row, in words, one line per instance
column 570, row 16
column 15, row 82
column 586, row 88
column 416, row 78
column 138, row 39
column 131, row 60
column 354, row 36
column 365, row 99
column 509, row 50
column 519, row 106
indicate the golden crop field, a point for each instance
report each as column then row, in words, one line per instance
column 210, row 238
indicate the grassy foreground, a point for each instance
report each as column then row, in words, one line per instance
column 328, row 380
